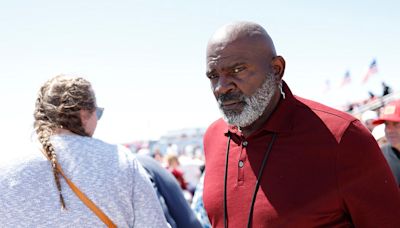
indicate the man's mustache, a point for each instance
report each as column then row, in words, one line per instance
column 230, row 97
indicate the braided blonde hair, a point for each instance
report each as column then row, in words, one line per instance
column 57, row 106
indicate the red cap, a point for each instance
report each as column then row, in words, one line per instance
column 391, row 112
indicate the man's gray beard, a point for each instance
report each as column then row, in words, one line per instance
column 254, row 105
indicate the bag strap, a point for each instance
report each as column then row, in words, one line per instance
column 102, row 216
column 90, row 204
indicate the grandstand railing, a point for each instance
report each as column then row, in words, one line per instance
column 375, row 104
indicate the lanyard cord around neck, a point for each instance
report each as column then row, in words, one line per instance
column 225, row 180
column 260, row 173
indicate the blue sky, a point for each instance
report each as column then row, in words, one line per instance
column 146, row 59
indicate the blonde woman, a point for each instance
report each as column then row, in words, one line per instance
column 33, row 193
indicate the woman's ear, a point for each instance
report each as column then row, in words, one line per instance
column 278, row 66
column 85, row 116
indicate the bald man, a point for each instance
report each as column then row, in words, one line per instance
column 278, row 160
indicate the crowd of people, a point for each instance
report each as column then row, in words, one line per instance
column 356, row 105
column 274, row 159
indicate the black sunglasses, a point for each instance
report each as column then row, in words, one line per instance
column 99, row 112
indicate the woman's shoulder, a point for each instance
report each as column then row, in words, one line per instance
column 22, row 164
column 81, row 143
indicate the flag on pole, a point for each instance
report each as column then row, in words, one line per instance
column 372, row 69
column 346, row 79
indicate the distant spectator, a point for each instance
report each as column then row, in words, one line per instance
column 350, row 108
column 390, row 116
column 175, row 206
column 158, row 156
column 386, row 89
column 173, row 167
column 191, row 170
column 372, row 96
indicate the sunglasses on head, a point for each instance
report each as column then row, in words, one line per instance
column 99, row 112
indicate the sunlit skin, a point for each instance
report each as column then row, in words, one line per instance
column 392, row 132
column 239, row 58
column 89, row 121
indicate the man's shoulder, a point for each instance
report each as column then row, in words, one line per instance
column 325, row 111
column 218, row 125
column 336, row 121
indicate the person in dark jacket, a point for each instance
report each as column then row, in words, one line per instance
column 176, row 209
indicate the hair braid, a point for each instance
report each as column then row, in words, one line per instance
column 58, row 105
column 44, row 133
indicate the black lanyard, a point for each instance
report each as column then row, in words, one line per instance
column 260, row 173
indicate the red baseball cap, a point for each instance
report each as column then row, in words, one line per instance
column 391, row 112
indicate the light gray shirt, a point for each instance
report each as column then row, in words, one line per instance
column 107, row 174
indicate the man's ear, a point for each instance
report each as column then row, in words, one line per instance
column 278, row 66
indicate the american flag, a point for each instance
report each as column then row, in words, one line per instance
column 346, row 79
column 371, row 70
